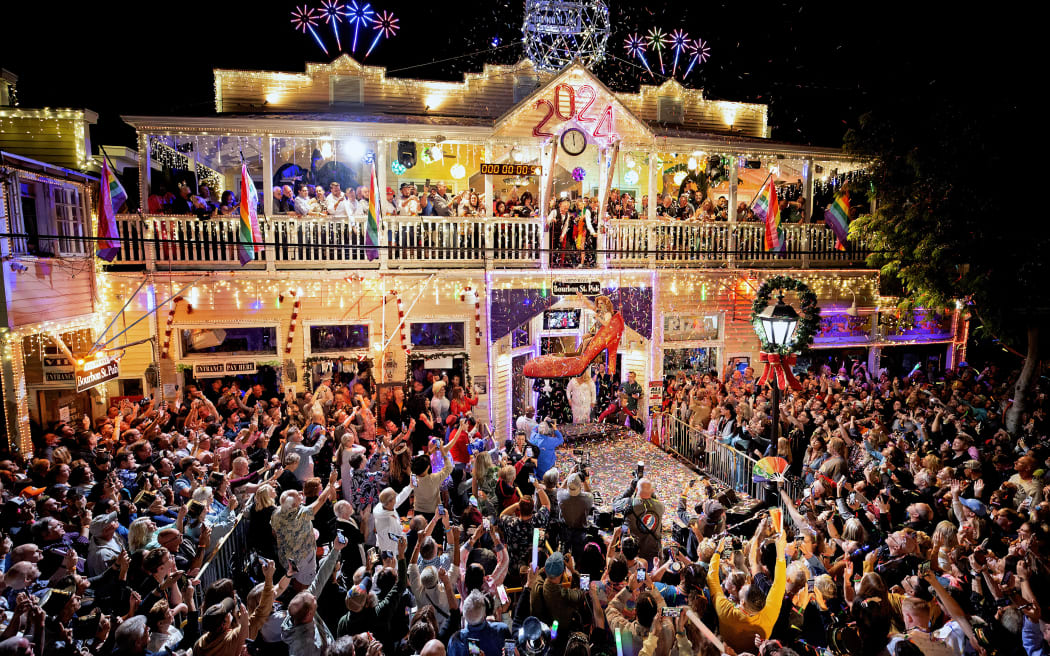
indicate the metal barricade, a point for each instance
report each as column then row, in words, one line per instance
column 229, row 557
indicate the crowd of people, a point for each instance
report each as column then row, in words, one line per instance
column 307, row 200
column 399, row 524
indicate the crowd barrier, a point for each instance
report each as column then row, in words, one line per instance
column 721, row 462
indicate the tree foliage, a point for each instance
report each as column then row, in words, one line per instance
column 956, row 217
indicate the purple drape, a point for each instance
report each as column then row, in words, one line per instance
column 513, row 307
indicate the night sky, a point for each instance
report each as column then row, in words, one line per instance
column 818, row 64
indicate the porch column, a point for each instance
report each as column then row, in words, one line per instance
column 382, row 165
column 734, row 176
column 808, row 172
column 651, row 211
column 268, row 228
column 267, row 190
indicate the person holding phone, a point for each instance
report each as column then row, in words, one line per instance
column 387, row 521
column 428, row 485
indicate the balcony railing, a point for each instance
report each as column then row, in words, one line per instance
column 444, row 242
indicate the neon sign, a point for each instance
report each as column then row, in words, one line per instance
column 570, row 103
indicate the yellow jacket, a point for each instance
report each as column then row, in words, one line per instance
column 737, row 627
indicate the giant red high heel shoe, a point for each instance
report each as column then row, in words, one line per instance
column 568, row 366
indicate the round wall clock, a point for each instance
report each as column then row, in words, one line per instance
column 573, row 141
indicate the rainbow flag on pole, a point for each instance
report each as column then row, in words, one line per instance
column 767, row 209
column 110, row 201
column 837, row 218
column 249, row 239
column 375, row 208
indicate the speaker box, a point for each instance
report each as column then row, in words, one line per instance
column 406, row 153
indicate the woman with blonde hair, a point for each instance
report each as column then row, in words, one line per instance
column 260, row 536
column 348, row 446
column 506, row 493
column 140, row 533
column 483, row 483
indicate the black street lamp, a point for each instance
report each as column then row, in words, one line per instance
column 778, row 323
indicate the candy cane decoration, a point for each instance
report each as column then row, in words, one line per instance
column 401, row 321
column 295, row 318
column 166, row 349
column 477, row 312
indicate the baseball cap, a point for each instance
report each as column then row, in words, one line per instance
column 555, row 565
column 975, row 506
column 215, row 615
column 100, row 522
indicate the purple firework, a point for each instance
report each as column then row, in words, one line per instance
column 701, row 53
column 332, row 13
column 305, row 19
column 385, row 25
column 679, row 42
column 636, row 48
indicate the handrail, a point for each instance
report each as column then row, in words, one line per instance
column 517, row 242
column 722, row 462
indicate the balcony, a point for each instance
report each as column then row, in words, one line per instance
column 188, row 243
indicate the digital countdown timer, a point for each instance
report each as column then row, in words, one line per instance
column 511, row 169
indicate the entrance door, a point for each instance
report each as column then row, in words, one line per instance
column 520, row 386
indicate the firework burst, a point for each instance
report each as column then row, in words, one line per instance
column 304, row 19
column 679, row 42
column 657, row 39
column 359, row 15
column 701, row 53
column 636, row 48
column 385, row 25
column 331, row 12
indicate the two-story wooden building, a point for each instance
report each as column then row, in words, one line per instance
column 478, row 295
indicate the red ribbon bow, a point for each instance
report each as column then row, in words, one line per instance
column 779, row 366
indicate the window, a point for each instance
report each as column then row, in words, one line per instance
column 229, row 341
column 69, row 215
column 521, row 336
column 346, row 91
column 691, row 327
column 437, row 335
column 669, row 110
column 700, row 360
column 27, row 192
column 344, row 337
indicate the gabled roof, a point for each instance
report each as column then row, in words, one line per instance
column 575, row 68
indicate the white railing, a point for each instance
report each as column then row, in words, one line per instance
column 425, row 242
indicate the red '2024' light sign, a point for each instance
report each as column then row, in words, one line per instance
column 564, row 107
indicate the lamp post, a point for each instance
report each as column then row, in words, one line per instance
column 778, row 323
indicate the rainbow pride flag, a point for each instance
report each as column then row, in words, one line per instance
column 837, row 218
column 767, row 209
column 110, row 201
column 374, row 210
column 249, row 239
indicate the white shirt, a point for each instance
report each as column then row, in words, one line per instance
column 340, row 206
column 389, row 523
column 525, row 425
column 408, row 206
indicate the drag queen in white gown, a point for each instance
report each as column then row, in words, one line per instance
column 582, row 397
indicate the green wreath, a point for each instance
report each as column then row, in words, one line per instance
column 809, row 313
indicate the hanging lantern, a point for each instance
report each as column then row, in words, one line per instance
column 629, row 161
column 370, row 157
column 578, row 174
column 692, row 164
column 678, row 177
column 631, row 177
column 397, row 167
column 458, row 171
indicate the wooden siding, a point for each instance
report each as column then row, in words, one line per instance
column 51, row 140
column 51, row 290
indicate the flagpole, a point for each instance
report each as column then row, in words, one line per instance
column 760, row 188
